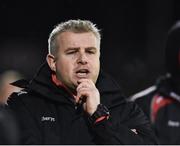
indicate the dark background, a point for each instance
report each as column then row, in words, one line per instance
column 133, row 35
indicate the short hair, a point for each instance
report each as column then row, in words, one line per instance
column 76, row 26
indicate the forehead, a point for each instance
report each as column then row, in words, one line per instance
column 71, row 39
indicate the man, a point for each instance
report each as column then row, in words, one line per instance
column 71, row 101
column 161, row 102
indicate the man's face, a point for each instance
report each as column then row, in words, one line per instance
column 77, row 57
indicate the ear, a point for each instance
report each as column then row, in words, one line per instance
column 51, row 62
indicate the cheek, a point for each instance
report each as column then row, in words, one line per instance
column 95, row 64
column 64, row 67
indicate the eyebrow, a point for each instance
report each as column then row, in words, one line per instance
column 91, row 48
column 69, row 49
column 77, row 48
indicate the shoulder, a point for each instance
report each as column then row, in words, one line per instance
column 24, row 100
column 17, row 97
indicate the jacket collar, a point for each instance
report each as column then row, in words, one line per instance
column 43, row 85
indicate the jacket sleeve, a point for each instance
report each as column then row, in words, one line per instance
column 126, row 126
column 28, row 129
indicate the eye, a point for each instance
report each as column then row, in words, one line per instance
column 91, row 52
column 71, row 52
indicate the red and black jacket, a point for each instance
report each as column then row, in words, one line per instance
column 47, row 114
column 162, row 106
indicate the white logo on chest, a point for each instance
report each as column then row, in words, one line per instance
column 51, row 119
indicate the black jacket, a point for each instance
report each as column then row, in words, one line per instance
column 161, row 103
column 46, row 115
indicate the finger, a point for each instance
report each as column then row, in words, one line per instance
column 83, row 93
column 82, row 85
column 82, row 99
column 85, row 81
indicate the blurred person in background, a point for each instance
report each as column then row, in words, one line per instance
column 161, row 102
column 72, row 101
column 9, row 127
column 6, row 87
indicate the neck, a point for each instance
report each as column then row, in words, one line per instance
column 60, row 84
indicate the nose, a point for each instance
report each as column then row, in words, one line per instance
column 82, row 59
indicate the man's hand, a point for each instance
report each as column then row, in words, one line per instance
column 88, row 90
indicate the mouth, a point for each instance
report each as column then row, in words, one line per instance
column 82, row 73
